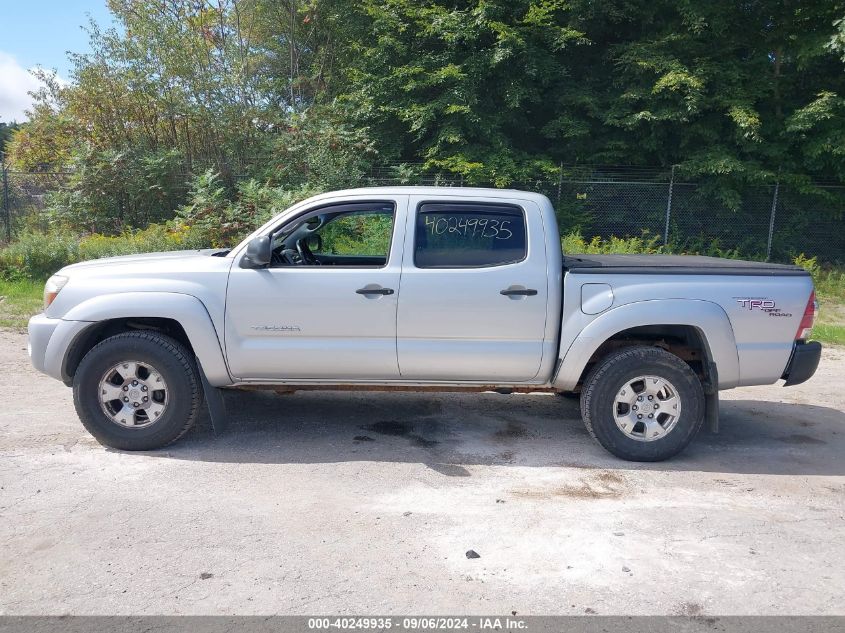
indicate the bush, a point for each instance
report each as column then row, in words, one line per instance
column 829, row 282
column 223, row 222
column 810, row 264
column 319, row 148
column 38, row 255
column 574, row 243
column 110, row 191
column 209, row 220
column 155, row 238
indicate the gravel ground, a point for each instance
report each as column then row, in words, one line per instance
column 363, row 503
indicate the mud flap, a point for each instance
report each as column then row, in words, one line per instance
column 711, row 411
column 711, row 399
column 216, row 406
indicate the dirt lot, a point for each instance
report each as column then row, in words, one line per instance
column 367, row 503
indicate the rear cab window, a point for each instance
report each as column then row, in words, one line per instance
column 469, row 235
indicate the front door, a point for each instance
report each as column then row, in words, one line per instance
column 474, row 292
column 326, row 306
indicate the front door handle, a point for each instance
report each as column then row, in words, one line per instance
column 374, row 291
column 518, row 292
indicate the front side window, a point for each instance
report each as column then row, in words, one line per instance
column 364, row 233
column 469, row 235
column 356, row 235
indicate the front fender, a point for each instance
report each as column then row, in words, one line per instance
column 708, row 317
column 189, row 311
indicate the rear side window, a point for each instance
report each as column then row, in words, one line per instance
column 468, row 235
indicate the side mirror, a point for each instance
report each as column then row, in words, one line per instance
column 258, row 253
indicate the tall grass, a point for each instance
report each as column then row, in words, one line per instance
column 19, row 300
column 36, row 256
column 574, row 243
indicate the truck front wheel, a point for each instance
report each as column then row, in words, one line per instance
column 137, row 391
column 642, row 404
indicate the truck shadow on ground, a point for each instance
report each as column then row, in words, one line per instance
column 452, row 432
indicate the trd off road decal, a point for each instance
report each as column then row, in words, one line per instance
column 763, row 304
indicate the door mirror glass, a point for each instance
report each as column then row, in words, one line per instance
column 258, row 253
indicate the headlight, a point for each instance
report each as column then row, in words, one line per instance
column 52, row 287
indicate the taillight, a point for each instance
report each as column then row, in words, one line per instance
column 810, row 312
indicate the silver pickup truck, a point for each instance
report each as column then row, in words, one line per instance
column 421, row 288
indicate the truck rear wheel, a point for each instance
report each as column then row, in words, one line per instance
column 642, row 404
column 137, row 391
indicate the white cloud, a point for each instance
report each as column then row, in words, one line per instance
column 15, row 83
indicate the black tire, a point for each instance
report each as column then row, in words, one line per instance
column 611, row 374
column 175, row 364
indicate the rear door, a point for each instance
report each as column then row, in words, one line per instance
column 474, row 291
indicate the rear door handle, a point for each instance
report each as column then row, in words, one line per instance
column 515, row 292
column 374, row 291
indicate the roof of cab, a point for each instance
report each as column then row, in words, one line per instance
column 463, row 192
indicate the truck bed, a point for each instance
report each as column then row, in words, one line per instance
column 675, row 265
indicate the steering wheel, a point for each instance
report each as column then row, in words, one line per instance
column 306, row 254
column 285, row 257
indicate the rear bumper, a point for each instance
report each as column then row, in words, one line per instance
column 803, row 363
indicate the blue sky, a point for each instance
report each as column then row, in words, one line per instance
column 40, row 32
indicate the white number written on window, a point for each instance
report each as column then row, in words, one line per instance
column 469, row 227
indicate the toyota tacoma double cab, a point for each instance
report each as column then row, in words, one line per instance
column 421, row 288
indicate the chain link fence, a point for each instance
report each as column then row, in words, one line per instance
column 762, row 222
column 23, row 199
column 773, row 222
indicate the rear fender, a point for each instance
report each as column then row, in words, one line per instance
column 707, row 317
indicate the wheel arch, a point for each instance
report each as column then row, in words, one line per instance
column 101, row 330
column 698, row 332
column 180, row 316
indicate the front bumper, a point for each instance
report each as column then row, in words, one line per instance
column 803, row 363
column 49, row 342
column 41, row 330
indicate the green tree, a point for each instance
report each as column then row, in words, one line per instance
column 287, row 93
column 6, row 131
column 108, row 191
column 497, row 89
